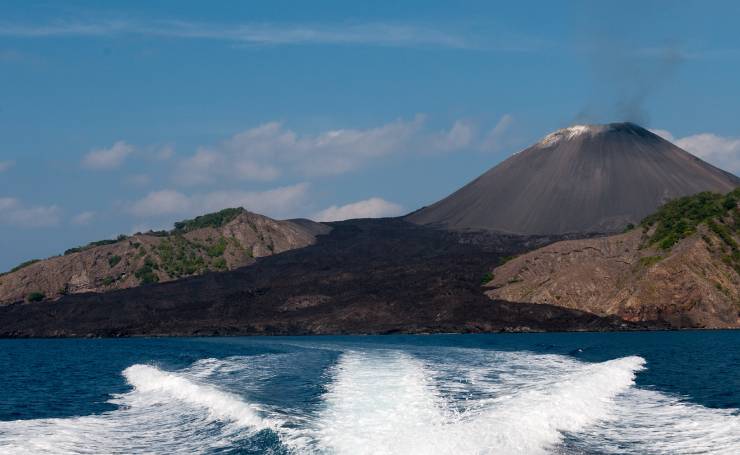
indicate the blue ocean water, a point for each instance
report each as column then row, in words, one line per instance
column 580, row 393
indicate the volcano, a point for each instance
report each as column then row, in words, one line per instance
column 581, row 179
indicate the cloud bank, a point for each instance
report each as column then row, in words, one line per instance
column 271, row 150
column 277, row 202
column 723, row 152
column 14, row 213
column 108, row 158
column 374, row 34
column 369, row 208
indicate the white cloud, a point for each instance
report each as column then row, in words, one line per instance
column 277, row 202
column 162, row 202
column 109, row 158
column 495, row 139
column 5, row 165
column 723, row 152
column 164, row 153
column 369, row 208
column 376, row 34
column 7, row 203
column 82, row 219
column 270, row 150
column 14, row 213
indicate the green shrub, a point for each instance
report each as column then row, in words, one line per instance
column 113, row 260
column 723, row 232
column 107, row 281
column 487, row 278
column 146, row 274
column 35, row 297
column 219, row 264
column 218, row 248
column 679, row 218
column 180, row 257
column 649, row 261
column 23, row 265
column 78, row 249
column 505, row 259
column 216, row 219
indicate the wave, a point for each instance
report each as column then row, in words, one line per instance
column 164, row 413
column 388, row 401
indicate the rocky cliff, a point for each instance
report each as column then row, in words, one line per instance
column 215, row 242
column 681, row 266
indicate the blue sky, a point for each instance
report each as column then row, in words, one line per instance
column 117, row 117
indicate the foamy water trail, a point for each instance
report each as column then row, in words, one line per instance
column 384, row 401
column 649, row 422
column 165, row 413
column 380, row 404
column 390, row 404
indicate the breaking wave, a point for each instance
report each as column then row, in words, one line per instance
column 382, row 401
column 165, row 412
column 391, row 404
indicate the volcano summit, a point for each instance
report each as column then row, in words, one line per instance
column 581, row 179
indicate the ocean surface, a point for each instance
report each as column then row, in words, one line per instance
column 575, row 393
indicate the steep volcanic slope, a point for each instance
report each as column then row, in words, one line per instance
column 365, row 276
column 596, row 178
column 682, row 266
column 215, row 242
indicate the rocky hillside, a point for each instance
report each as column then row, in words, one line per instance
column 681, row 266
column 219, row 241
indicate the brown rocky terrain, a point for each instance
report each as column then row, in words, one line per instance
column 677, row 268
column 215, row 242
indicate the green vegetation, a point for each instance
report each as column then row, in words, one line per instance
column 219, row 264
column 649, row 261
column 23, row 265
column 107, row 281
column 35, row 297
column 78, row 249
column 113, row 260
column 505, row 259
column 487, row 278
column 215, row 220
column 724, row 233
column 217, row 249
column 180, row 257
column 146, row 274
column 679, row 218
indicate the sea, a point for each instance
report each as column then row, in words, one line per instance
column 545, row 393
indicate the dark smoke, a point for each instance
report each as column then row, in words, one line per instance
column 625, row 72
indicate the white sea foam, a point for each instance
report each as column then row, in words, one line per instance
column 164, row 413
column 380, row 401
column 649, row 422
column 155, row 384
column 388, row 404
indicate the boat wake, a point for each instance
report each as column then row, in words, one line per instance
column 379, row 401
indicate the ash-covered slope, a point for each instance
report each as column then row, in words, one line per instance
column 595, row 178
